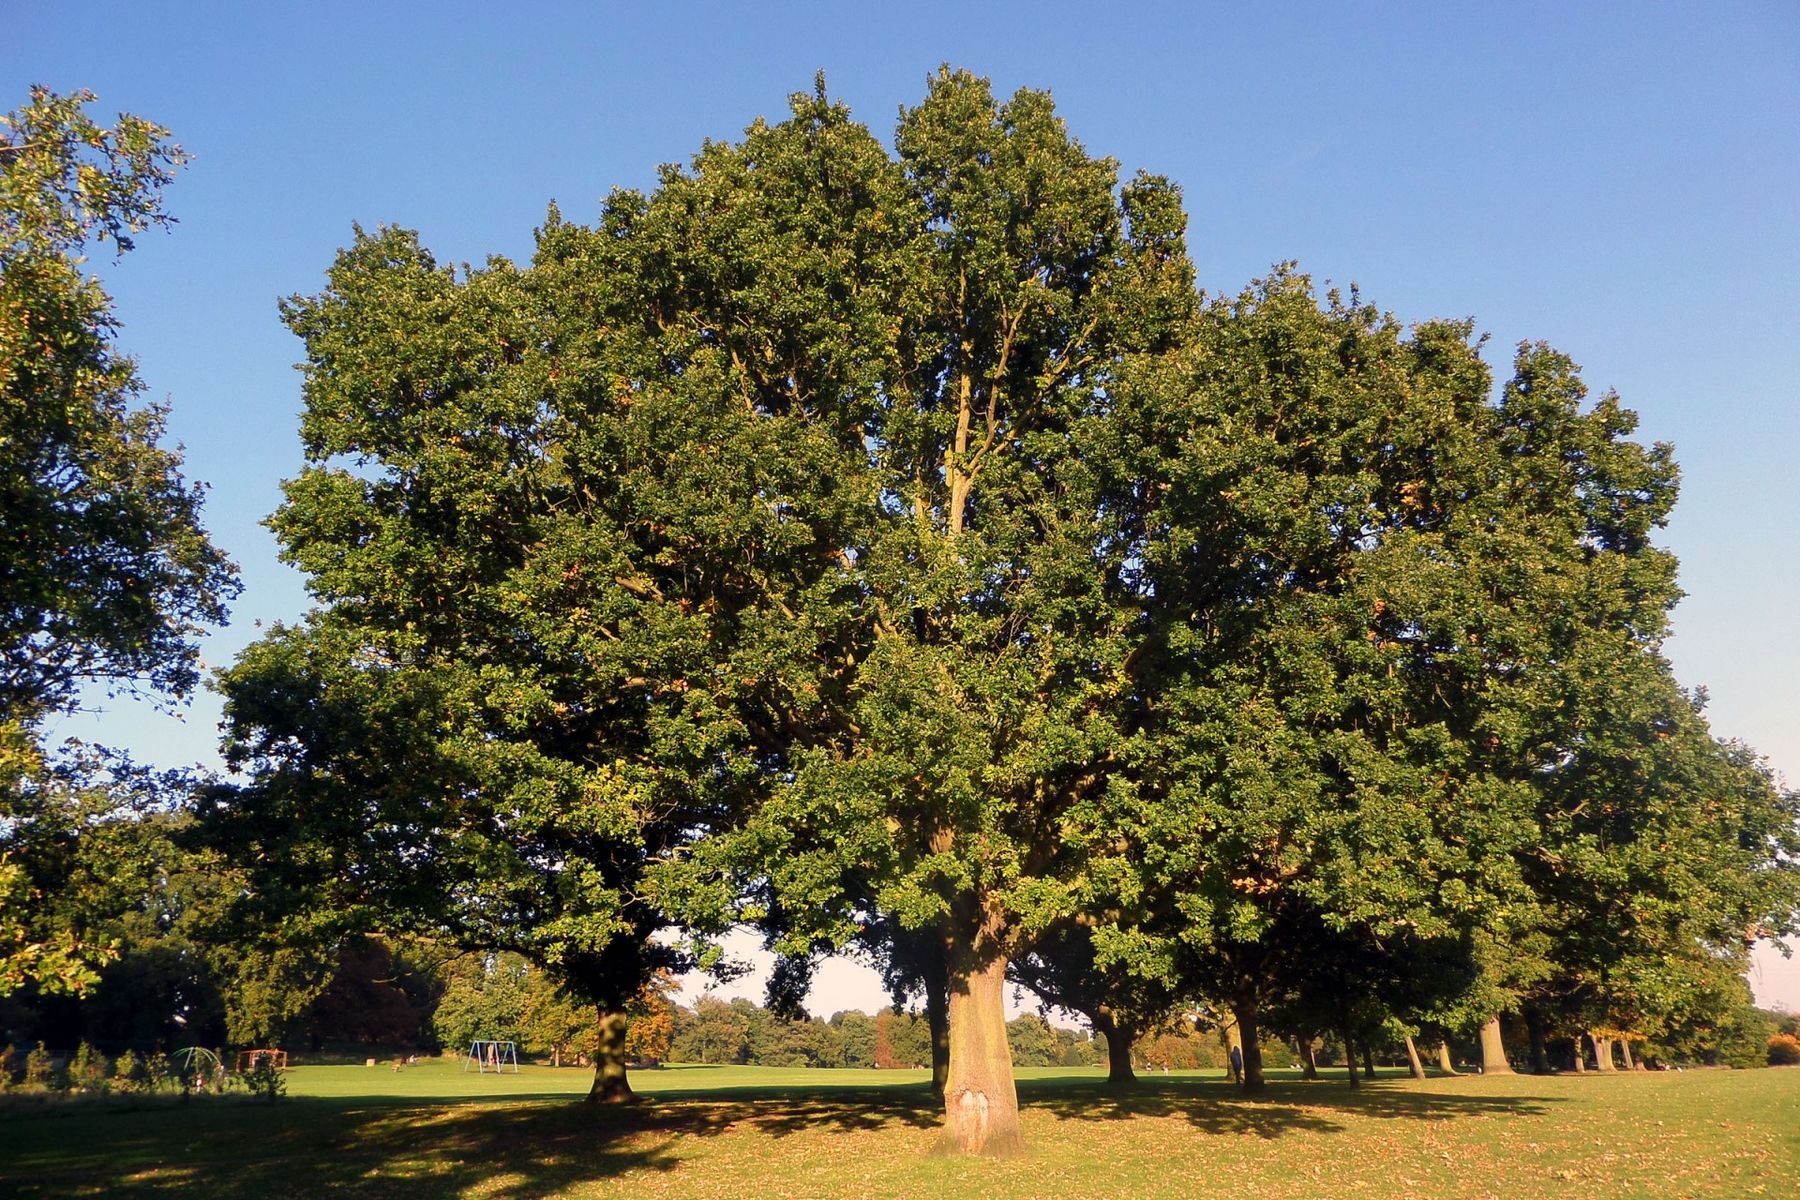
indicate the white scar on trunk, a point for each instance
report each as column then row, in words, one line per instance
column 972, row 1120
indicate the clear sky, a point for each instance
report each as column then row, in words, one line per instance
column 1621, row 180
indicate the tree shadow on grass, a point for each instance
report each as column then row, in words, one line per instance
column 514, row 1150
column 527, row 1149
column 1214, row 1106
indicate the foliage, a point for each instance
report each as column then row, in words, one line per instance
column 108, row 574
column 741, row 1032
column 889, row 548
column 651, row 1034
column 1784, row 1050
column 108, row 858
column 105, row 573
column 40, row 1070
column 713, row 1031
column 380, row 993
column 265, row 1081
column 1033, row 1042
column 486, row 1000
column 901, row 1040
column 89, row 1070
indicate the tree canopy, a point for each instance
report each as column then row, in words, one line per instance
column 106, row 576
column 893, row 549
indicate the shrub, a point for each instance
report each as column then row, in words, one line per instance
column 265, row 1081
column 1784, row 1050
column 88, row 1073
column 130, row 1074
column 41, row 1074
column 9, row 1066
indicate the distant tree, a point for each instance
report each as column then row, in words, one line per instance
column 487, row 998
column 556, row 1023
column 902, row 1040
column 856, row 1036
column 1033, row 1042
column 652, row 1030
column 366, row 1000
column 713, row 1031
column 1120, row 1001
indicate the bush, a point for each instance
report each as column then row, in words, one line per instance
column 130, row 1073
column 265, row 1081
column 9, row 1066
column 41, row 1074
column 1784, row 1050
column 88, row 1073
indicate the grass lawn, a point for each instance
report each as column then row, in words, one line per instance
column 432, row 1130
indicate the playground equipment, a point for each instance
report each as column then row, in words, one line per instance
column 487, row 1055
column 247, row 1060
column 200, row 1067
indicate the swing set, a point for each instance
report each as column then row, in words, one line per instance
column 486, row 1055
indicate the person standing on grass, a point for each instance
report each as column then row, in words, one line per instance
column 1237, row 1065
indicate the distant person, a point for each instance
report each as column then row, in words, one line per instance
column 1237, row 1065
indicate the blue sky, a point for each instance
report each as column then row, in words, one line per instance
column 1621, row 180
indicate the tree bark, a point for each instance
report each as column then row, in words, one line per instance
column 1350, row 1057
column 1119, row 1072
column 937, row 1015
column 1243, row 1008
column 981, row 1103
column 1309, row 1061
column 610, row 1084
column 1580, row 1057
column 1368, row 1062
column 1445, row 1063
column 1493, row 1050
column 1625, row 1050
column 1540, row 1050
column 1603, row 1055
column 1412, row 1059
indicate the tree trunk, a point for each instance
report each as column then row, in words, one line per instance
column 1309, row 1061
column 1250, row 1040
column 1445, row 1063
column 556, row 1054
column 1368, row 1062
column 981, row 1104
column 1603, row 1055
column 1580, row 1057
column 1493, row 1050
column 1412, row 1059
column 937, row 1015
column 1625, row 1050
column 1350, row 1056
column 1540, row 1051
column 610, row 1084
column 1118, row 1050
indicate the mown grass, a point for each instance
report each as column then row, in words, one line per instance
column 432, row 1130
